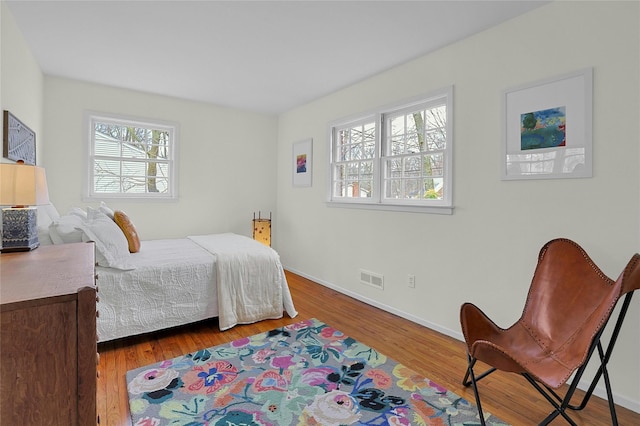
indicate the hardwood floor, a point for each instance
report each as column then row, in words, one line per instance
column 438, row 357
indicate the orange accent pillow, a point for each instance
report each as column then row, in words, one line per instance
column 129, row 230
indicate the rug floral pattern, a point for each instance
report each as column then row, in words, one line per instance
column 303, row 374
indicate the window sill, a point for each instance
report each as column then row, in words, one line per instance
column 134, row 198
column 393, row 207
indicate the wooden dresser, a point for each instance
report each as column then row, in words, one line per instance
column 48, row 343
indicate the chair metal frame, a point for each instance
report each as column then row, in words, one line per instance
column 562, row 404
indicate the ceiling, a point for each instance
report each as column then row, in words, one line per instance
column 264, row 56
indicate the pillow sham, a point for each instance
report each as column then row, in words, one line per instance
column 106, row 209
column 46, row 215
column 77, row 211
column 112, row 248
column 129, row 230
column 65, row 229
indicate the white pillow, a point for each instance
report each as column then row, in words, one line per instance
column 46, row 215
column 112, row 248
column 65, row 229
column 106, row 209
column 44, row 238
column 77, row 211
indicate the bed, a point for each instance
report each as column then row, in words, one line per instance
column 172, row 282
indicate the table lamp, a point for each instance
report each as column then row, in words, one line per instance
column 21, row 186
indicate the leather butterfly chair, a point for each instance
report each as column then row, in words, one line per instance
column 569, row 303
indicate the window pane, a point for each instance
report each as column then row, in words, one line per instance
column 393, row 188
column 356, row 152
column 436, row 139
column 394, row 167
column 344, row 153
column 366, row 169
column 356, row 135
column 435, row 127
column 412, row 188
column 436, row 118
column 162, row 169
column 413, row 121
column 433, row 165
column 434, row 188
column 132, row 184
column 365, row 188
column 369, row 133
column 413, row 144
column 134, row 168
column 106, row 147
column 413, row 166
column 339, row 189
column 107, row 168
column 353, row 170
column 369, row 149
column 397, row 126
column 359, row 189
column 157, row 185
column 107, row 184
column 133, row 151
column 397, row 145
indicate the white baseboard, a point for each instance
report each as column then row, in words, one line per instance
column 451, row 333
column 599, row 391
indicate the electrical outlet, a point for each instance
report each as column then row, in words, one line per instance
column 411, row 281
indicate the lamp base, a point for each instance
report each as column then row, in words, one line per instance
column 17, row 249
column 19, row 229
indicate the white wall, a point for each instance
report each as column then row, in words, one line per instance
column 21, row 80
column 227, row 158
column 486, row 251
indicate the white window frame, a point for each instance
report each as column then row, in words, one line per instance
column 172, row 162
column 377, row 201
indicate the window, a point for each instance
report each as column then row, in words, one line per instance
column 355, row 152
column 131, row 159
column 396, row 158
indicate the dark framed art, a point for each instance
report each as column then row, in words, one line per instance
column 18, row 140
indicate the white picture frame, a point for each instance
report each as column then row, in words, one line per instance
column 547, row 129
column 302, row 163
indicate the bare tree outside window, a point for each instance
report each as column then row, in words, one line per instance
column 355, row 154
column 414, row 155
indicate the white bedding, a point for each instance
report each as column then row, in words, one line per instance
column 175, row 283
column 250, row 278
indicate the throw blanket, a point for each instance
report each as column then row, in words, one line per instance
column 251, row 282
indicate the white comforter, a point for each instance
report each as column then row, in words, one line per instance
column 175, row 282
column 251, row 281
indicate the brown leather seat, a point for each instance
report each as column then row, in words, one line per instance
column 569, row 303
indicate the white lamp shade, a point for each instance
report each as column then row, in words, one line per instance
column 22, row 185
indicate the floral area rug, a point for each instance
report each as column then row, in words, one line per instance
column 306, row 373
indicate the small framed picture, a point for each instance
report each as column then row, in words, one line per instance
column 302, row 162
column 548, row 129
